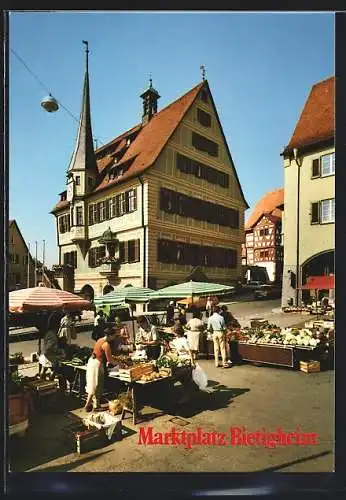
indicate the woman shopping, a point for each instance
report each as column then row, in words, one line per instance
column 194, row 326
column 101, row 358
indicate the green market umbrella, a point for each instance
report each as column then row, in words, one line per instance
column 124, row 295
column 190, row 289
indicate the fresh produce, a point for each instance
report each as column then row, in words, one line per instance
column 150, row 377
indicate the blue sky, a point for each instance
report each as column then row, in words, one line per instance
column 260, row 68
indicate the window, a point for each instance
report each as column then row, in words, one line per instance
column 188, row 166
column 203, row 118
column 204, row 95
column 79, row 216
column 178, row 203
column 16, row 258
column 70, row 258
column 327, row 165
column 113, row 210
column 64, row 223
column 129, row 251
column 131, row 200
column 102, row 211
column 323, row 212
column 194, row 255
column 264, row 232
column 90, row 182
column 327, row 211
column 77, row 180
column 122, row 203
column 17, row 276
column 323, row 166
column 203, row 144
column 95, row 254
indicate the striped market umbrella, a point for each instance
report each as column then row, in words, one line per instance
column 41, row 298
column 190, row 289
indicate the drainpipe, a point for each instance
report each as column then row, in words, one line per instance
column 144, row 235
column 299, row 164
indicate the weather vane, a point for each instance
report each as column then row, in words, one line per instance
column 87, row 45
column 150, row 80
column 202, row 68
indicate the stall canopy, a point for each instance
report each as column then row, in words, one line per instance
column 190, row 289
column 319, row 283
column 40, row 298
column 126, row 295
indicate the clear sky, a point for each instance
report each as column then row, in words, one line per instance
column 260, row 68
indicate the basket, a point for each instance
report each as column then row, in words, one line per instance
column 310, row 366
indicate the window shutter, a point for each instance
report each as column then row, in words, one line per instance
column 315, row 213
column 107, row 209
column 134, row 199
column 122, row 251
column 90, row 215
column 137, row 252
column 316, row 167
column 127, row 202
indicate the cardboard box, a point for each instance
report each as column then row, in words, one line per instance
column 310, row 366
column 89, row 439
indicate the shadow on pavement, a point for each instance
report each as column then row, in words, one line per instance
column 298, row 461
column 72, row 465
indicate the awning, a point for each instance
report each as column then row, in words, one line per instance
column 319, row 283
column 190, row 289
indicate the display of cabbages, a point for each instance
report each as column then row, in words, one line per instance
column 298, row 337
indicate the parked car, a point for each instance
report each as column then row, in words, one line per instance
column 267, row 292
column 252, row 285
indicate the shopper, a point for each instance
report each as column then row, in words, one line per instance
column 182, row 347
column 170, row 314
column 216, row 324
column 121, row 344
column 209, row 307
column 67, row 330
column 99, row 325
column 101, row 358
column 194, row 327
column 147, row 338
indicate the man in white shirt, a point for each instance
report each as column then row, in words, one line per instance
column 147, row 338
column 216, row 324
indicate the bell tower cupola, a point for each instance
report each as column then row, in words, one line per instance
column 150, row 98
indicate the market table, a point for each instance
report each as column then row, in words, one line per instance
column 276, row 354
column 132, row 389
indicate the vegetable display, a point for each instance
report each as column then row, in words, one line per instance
column 272, row 335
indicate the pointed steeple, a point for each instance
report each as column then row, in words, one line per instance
column 83, row 157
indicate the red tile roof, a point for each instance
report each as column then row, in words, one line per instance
column 153, row 137
column 147, row 142
column 267, row 205
column 316, row 122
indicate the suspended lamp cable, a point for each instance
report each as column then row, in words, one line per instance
column 46, row 89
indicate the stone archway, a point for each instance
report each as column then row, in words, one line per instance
column 321, row 264
column 88, row 292
column 107, row 289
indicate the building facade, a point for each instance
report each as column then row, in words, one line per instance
column 263, row 242
column 157, row 202
column 309, row 215
column 21, row 267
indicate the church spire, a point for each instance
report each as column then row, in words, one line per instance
column 83, row 157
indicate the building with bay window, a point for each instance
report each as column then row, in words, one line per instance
column 309, row 213
column 157, row 203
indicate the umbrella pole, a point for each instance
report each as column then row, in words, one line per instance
column 133, row 325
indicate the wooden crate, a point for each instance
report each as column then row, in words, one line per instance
column 135, row 372
column 310, row 366
column 42, row 386
column 89, row 439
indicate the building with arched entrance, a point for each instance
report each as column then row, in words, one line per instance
column 309, row 211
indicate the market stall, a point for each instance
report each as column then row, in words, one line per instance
column 125, row 296
column 287, row 347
